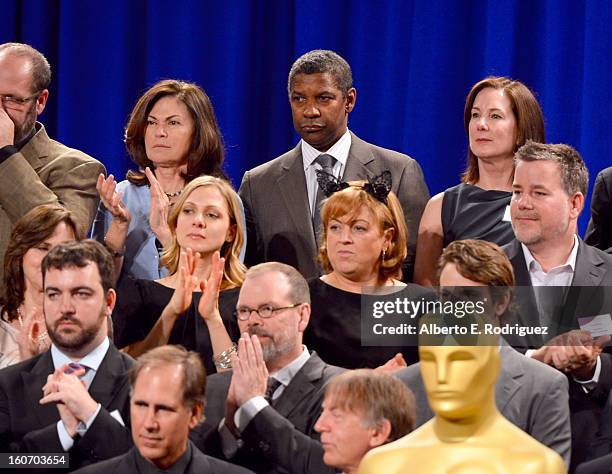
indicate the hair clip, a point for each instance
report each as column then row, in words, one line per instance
column 329, row 184
column 379, row 186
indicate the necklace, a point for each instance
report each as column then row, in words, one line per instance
column 173, row 195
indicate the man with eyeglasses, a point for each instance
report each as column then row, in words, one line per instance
column 34, row 169
column 262, row 414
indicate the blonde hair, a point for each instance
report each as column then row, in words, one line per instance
column 389, row 216
column 233, row 273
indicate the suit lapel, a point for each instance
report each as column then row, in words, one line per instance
column 585, row 296
column 292, row 186
column 37, row 148
column 359, row 157
column 510, row 375
column 33, row 382
column 105, row 385
column 300, row 387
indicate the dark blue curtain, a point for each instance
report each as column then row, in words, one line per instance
column 413, row 64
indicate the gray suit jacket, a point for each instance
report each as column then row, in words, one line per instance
column 531, row 395
column 280, row 438
column 45, row 171
column 279, row 224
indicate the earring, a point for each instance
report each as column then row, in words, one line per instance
column 383, row 254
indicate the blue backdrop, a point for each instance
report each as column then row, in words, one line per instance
column 413, row 64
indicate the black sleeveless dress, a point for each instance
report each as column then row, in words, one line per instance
column 470, row 212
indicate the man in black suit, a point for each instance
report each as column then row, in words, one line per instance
column 550, row 183
column 599, row 231
column 74, row 397
column 262, row 414
column 167, row 400
column 281, row 197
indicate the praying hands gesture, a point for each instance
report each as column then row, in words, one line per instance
column 250, row 374
column 74, row 403
column 159, row 210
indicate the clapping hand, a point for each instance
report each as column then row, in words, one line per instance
column 209, row 302
column 68, row 391
column 159, row 209
column 107, row 189
column 33, row 338
column 186, row 285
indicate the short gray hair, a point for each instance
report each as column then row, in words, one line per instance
column 194, row 375
column 298, row 292
column 41, row 71
column 323, row 61
column 574, row 173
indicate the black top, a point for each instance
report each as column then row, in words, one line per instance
column 140, row 304
column 470, row 212
column 334, row 330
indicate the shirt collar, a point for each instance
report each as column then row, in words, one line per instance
column 181, row 465
column 533, row 263
column 338, row 150
column 286, row 374
column 92, row 360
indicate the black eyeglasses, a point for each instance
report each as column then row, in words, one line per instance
column 13, row 101
column 265, row 311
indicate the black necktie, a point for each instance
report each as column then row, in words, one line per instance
column 327, row 164
column 273, row 384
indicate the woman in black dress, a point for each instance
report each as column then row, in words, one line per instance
column 363, row 245
column 500, row 115
column 202, row 259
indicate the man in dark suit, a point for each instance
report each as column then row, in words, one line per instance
column 75, row 396
column 550, row 183
column 167, row 385
column 258, row 421
column 34, row 169
column 599, row 231
column 281, row 197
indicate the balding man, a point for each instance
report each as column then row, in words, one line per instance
column 35, row 169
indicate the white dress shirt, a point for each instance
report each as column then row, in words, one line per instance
column 339, row 151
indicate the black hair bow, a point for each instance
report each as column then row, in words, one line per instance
column 378, row 186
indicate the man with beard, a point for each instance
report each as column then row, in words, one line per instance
column 34, row 169
column 262, row 414
column 566, row 280
column 74, row 398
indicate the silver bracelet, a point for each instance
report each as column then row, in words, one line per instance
column 224, row 360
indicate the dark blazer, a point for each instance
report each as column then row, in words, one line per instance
column 602, row 465
column 531, row 395
column 45, row 171
column 126, row 464
column 279, row 223
column 27, row 426
column 279, row 438
column 599, row 231
column 588, row 295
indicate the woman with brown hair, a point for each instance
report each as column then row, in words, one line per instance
column 202, row 257
column 22, row 328
column 500, row 115
column 173, row 137
column 363, row 245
